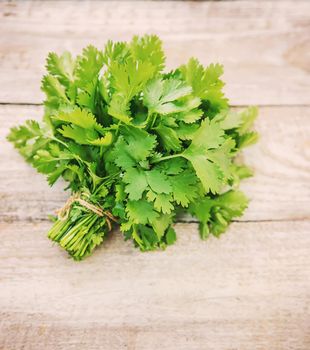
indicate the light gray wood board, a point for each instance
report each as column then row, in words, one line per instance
column 264, row 45
column 250, row 289
column 279, row 190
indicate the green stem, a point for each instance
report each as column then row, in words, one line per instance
column 101, row 152
column 59, row 141
column 117, row 130
column 154, row 120
column 168, row 157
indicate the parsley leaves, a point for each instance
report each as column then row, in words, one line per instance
column 137, row 145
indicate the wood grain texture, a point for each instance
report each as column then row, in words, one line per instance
column 279, row 190
column 264, row 45
column 247, row 290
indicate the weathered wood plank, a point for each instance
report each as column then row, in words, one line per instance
column 279, row 190
column 247, row 290
column 263, row 45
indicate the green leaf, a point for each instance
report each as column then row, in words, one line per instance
column 162, row 202
column 209, row 173
column 121, row 154
column 136, row 183
column 141, row 212
column 209, row 135
column 234, row 202
column 229, row 119
column 222, row 156
column 118, row 51
column 242, row 121
column 187, row 131
column 119, row 109
column 171, row 236
column 184, row 187
column 139, row 143
column 148, row 49
column 247, row 139
column 201, row 209
column 190, row 116
column 75, row 133
column 79, row 117
column 20, row 135
column 168, row 137
column 208, row 168
column 161, row 223
column 106, row 140
column 165, row 96
column 240, row 172
column 158, row 181
column 54, row 90
column 215, row 214
column 61, row 67
column 129, row 78
column 83, row 128
column 88, row 65
column 148, row 237
column 206, row 83
column 173, row 166
column 87, row 97
column 54, row 175
column 248, row 117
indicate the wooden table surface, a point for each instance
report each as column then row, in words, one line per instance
column 248, row 290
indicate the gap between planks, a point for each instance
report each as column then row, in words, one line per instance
column 283, row 105
column 9, row 219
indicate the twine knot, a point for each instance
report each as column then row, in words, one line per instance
column 64, row 212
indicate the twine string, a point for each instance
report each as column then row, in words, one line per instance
column 64, row 212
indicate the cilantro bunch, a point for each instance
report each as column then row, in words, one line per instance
column 140, row 145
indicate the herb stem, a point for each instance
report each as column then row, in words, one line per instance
column 168, row 157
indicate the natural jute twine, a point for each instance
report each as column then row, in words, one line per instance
column 63, row 213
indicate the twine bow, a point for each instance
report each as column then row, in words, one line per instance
column 63, row 213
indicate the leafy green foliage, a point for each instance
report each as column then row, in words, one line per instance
column 215, row 214
column 137, row 143
column 166, row 96
column 206, row 84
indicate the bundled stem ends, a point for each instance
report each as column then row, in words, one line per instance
column 80, row 226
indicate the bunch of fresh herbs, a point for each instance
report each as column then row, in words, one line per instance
column 137, row 145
